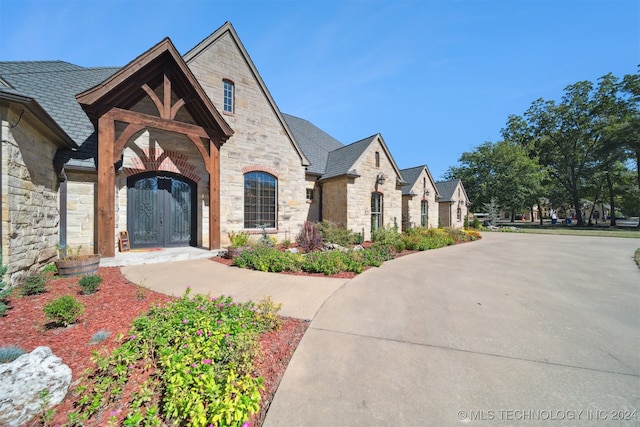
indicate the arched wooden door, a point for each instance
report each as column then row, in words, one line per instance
column 161, row 210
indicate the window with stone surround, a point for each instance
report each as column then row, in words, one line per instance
column 309, row 194
column 260, row 200
column 459, row 215
column 424, row 215
column 376, row 211
column 377, row 159
column 228, row 93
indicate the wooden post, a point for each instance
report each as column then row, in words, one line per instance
column 106, row 188
column 214, row 196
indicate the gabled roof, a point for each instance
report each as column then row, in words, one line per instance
column 342, row 160
column 411, row 175
column 124, row 88
column 227, row 28
column 53, row 86
column 314, row 142
column 447, row 190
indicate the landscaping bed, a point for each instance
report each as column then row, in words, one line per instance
column 111, row 310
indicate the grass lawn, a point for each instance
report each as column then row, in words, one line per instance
column 599, row 231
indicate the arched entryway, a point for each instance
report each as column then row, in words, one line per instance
column 161, row 210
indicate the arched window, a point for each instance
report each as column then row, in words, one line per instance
column 376, row 211
column 377, row 159
column 459, row 214
column 260, row 200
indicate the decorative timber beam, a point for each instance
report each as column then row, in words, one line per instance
column 106, row 187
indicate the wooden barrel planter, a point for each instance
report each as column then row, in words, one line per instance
column 78, row 266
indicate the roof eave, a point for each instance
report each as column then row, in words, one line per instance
column 64, row 140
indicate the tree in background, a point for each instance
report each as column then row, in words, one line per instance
column 500, row 174
column 578, row 140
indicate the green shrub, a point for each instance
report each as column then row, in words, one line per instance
column 388, row 237
column 309, row 239
column 264, row 258
column 33, row 284
column 90, row 283
column 64, row 310
column 239, row 239
column 476, row 223
column 3, row 308
column 330, row 232
column 10, row 353
column 50, row 268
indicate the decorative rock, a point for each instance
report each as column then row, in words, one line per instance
column 333, row 247
column 293, row 250
column 23, row 380
column 358, row 248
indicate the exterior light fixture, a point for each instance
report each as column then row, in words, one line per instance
column 380, row 178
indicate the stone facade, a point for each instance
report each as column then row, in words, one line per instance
column 453, row 212
column 424, row 190
column 260, row 142
column 82, row 188
column 30, row 214
column 347, row 201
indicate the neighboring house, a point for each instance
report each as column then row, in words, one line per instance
column 453, row 203
column 419, row 198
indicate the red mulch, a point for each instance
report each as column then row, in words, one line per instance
column 112, row 309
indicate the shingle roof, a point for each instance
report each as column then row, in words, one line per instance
column 447, row 189
column 341, row 161
column 313, row 141
column 410, row 175
column 54, row 85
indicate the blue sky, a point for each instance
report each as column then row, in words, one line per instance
column 435, row 78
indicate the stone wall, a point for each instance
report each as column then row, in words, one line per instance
column 411, row 206
column 335, row 202
column 260, row 141
column 359, row 193
column 82, row 190
column 30, row 218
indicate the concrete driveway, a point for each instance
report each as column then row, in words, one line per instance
column 516, row 329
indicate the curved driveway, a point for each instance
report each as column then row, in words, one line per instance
column 515, row 329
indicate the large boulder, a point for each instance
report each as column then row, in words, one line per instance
column 22, row 383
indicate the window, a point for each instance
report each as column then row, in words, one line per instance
column 228, row 96
column 309, row 194
column 424, row 213
column 376, row 211
column 424, row 183
column 377, row 159
column 459, row 214
column 260, row 201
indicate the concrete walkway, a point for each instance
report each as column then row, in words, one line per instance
column 301, row 297
column 515, row 329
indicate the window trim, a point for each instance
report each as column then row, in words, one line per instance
column 232, row 101
column 378, row 214
column 253, row 224
column 424, row 213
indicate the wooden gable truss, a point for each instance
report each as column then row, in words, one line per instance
column 111, row 102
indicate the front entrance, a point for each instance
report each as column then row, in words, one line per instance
column 161, row 210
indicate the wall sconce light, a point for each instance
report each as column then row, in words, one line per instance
column 426, row 193
column 380, row 178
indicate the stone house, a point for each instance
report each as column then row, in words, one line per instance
column 176, row 151
column 419, row 198
column 453, row 203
